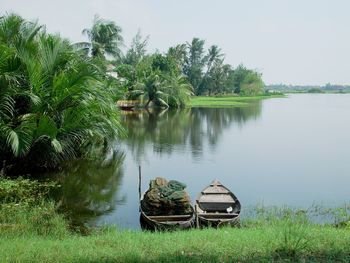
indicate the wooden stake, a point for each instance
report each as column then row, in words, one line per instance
column 197, row 219
column 140, row 182
column 139, row 188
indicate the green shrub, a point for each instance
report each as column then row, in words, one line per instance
column 26, row 210
column 24, row 190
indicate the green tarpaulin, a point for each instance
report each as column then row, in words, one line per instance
column 166, row 198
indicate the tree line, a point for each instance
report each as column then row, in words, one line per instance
column 309, row 88
column 169, row 78
column 58, row 99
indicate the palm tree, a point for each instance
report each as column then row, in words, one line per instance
column 15, row 97
column 105, row 38
column 178, row 90
column 214, row 59
column 73, row 107
column 52, row 100
column 214, row 55
column 178, row 53
column 164, row 90
column 195, row 62
column 152, row 90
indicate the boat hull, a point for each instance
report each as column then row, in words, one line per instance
column 217, row 206
column 233, row 222
column 168, row 224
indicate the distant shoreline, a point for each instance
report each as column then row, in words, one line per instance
column 229, row 101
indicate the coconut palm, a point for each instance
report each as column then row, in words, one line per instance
column 178, row 90
column 159, row 81
column 105, row 38
column 151, row 88
column 164, row 90
column 214, row 55
column 195, row 62
column 178, row 53
column 213, row 59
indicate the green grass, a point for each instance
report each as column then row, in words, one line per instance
column 228, row 101
column 33, row 231
column 281, row 241
column 25, row 209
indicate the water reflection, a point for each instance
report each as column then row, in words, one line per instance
column 296, row 155
column 169, row 130
column 90, row 188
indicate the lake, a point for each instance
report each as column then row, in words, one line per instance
column 290, row 151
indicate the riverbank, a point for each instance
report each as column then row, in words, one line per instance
column 279, row 241
column 228, row 101
column 31, row 230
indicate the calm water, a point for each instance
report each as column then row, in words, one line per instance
column 290, row 151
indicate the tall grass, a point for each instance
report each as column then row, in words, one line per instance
column 25, row 209
column 24, row 220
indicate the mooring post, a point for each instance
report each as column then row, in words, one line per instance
column 196, row 213
column 140, row 182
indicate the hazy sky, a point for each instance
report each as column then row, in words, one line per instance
column 289, row 41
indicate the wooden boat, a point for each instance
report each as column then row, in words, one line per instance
column 166, row 222
column 127, row 105
column 217, row 206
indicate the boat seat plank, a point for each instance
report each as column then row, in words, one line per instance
column 215, row 190
column 217, row 215
column 170, row 218
column 218, row 198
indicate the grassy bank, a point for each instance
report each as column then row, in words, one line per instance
column 280, row 241
column 31, row 230
column 26, row 210
column 228, row 101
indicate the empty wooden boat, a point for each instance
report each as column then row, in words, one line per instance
column 127, row 105
column 217, row 206
column 167, row 222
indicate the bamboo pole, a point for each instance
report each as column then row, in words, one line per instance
column 197, row 219
column 140, row 186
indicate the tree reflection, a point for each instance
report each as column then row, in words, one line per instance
column 90, row 188
column 183, row 129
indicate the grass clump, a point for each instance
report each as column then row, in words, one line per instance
column 18, row 219
column 294, row 238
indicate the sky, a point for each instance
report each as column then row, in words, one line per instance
column 299, row 42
